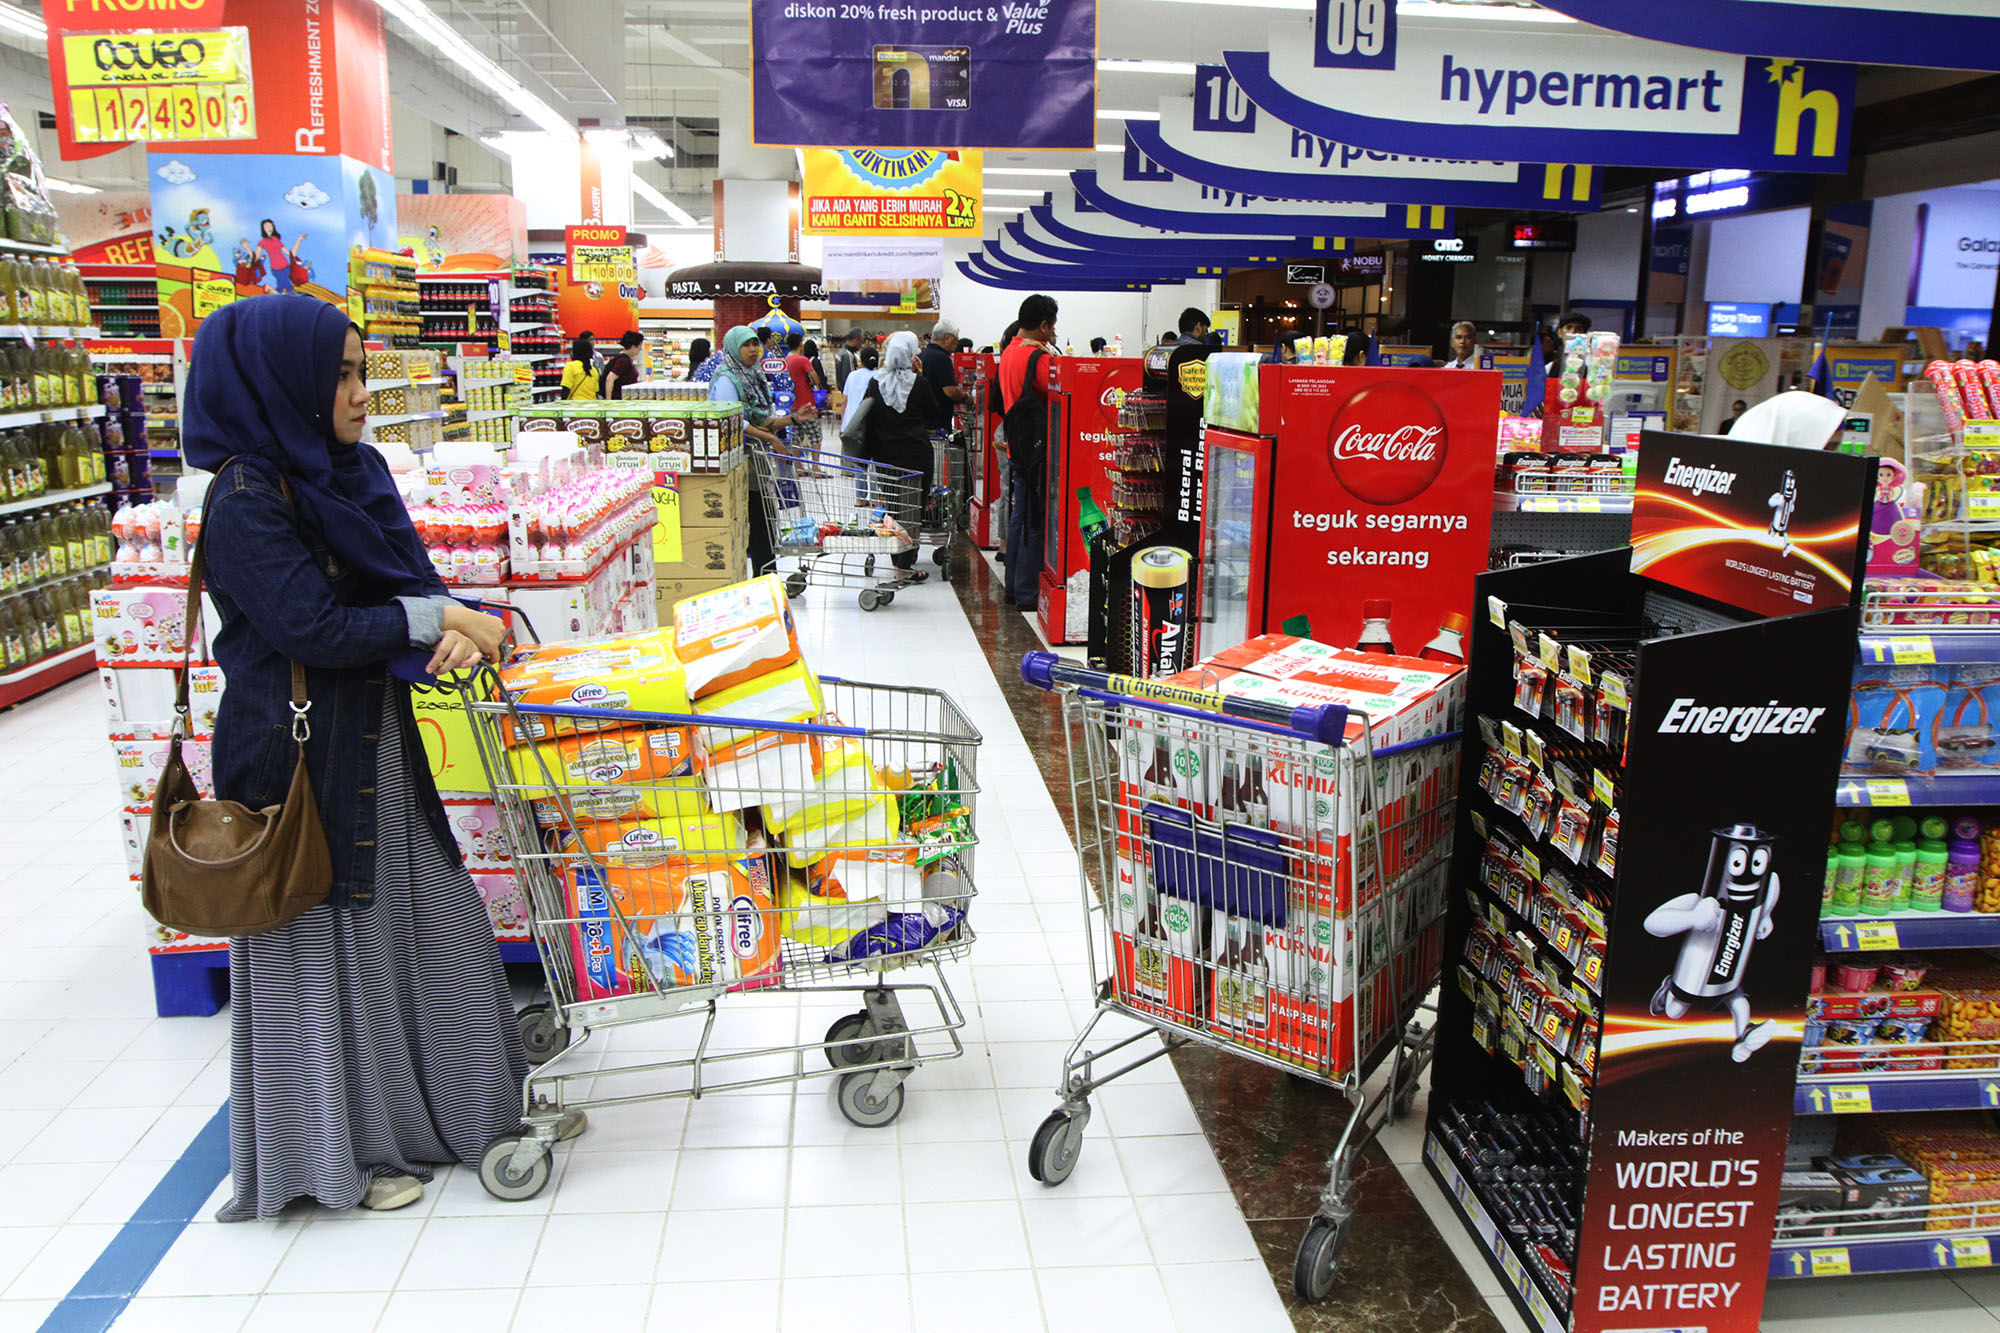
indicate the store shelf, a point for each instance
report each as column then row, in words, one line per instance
column 158, row 388
column 42, row 414
column 1910, row 930
column 55, row 498
column 517, row 326
column 401, row 417
column 377, row 385
column 1522, row 1288
column 489, row 416
column 1920, row 647
column 48, row 331
column 1850, row 1256
column 1867, row 1093
column 29, row 681
column 30, row 248
column 1506, row 502
column 1973, row 789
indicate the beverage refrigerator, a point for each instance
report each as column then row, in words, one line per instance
column 976, row 416
column 1357, row 497
column 1084, row 394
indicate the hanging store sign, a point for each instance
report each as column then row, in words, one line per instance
column 1150, row 196
column 976, row 269
column 1220, row 137
column 1021, row 74
column 891, row 192
column 1533, row 91
column 599, row 253
column 1942, row 34
column 1028, row 237
column 158, row 87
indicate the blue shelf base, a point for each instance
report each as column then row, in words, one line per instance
column 1848, row 1256
column 195, row 983
column 1865, row 1094
column 1910, row 930
column 1978, row 789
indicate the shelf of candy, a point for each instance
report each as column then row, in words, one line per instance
column 467, row 543
column 155, row 539
column 1516, row 1174
column 567, row 511
column 127, row 447
column 386, row 282
column 667, row 355
column 1574, row 416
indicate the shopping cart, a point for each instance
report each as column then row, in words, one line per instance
column 947, row 504
column 649, row 899
column 1232, row 869
column 836, row 516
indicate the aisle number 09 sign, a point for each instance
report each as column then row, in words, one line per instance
column 1355, row 34
column 160, row 86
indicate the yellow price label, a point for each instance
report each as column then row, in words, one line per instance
column 1888, row 791
column 1830, row 1263
column 1850, row 1099
column 1612, row 686
column 1912, row 649
column 1875, row 935
column 1550, row 653
column 1971, row 1252
column 1532, row 861
column 1479, row 823
column 1588, row 504
column 1496, row 611
column 1601, row 788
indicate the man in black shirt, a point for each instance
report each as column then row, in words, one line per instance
column 935, row 364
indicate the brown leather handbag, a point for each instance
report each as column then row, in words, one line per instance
column 219, row 868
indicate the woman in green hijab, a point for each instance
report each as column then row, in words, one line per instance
column 741, row 379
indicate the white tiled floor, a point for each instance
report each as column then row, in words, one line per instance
column 743, row 1211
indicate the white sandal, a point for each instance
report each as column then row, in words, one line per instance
column 386, row 1194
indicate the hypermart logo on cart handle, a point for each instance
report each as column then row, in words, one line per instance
column 1688, row 718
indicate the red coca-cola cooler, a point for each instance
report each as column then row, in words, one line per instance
column 1348, row 495
column 1084, row 393
column 977, row 416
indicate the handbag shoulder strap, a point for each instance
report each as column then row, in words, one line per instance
column 300, row 703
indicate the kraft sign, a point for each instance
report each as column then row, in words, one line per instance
column 1220, row 137
column 1559, row 93
column 1941, row 33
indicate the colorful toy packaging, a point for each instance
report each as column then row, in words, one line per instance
column 1891, row 720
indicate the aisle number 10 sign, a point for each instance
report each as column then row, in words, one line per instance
column 160, row 85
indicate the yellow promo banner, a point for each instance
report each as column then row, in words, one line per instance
column 160, row 86
column 891, row 192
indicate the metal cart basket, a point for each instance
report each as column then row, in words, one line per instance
column 1235, row 856
column 835, row 516
column 947, row 505
column 671, row 861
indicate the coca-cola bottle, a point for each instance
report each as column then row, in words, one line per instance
column 1449, row 645
column 1375, row 628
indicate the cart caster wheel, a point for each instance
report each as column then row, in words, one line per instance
column 1318, row 1266
column 795, row 583
column 1056, row 1146
column 870, row 599
column 888, row 596
column 542, row 1037
column 502, row 1181
column 842, row 1050
column 868, row 566
column 1405, row 1104
column 941, row 556
column 860, row 1110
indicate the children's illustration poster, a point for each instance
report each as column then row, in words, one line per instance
column 462, row 233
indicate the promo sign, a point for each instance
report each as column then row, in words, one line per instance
column 1219, row 137
column 1534, row 91
column 891, row 192
column 160, row 87
column 1769, row 530
column 1153, row 197
column 599, row 253
column 1943, row 34
column 1021, row 74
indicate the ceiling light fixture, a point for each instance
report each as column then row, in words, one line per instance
column 23, row 22
column 1128, row 115
column 423, row 20
column 1016, row 194
column 664, row 204
column 69, row 187
column 1026, row 171
column 1145, row 67
column 1111, row 148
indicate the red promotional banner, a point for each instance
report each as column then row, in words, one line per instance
column 1770, row 530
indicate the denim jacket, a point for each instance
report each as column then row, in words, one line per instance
column 281, row 600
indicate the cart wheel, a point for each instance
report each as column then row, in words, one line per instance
column 541, row 1035
column 502, row 1181
column 870, row 599
column 842, row 1051
column 795, row 583
column 868, row 566
column 1318, row 1266
column 1406, row 1103
column 888, row 596
column 860, row 1109
column 941, row 556
column 1056, row 1146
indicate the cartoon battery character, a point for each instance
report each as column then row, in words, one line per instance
column 1782, row 503
column 1719, row 925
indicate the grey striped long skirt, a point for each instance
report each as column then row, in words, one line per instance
column 376, row 1041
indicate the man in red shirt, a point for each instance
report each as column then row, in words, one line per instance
column 1024, row 383
column 798, row 367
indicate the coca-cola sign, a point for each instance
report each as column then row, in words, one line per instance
column 1387, row 444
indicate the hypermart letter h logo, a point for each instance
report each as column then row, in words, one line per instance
column 1794, row 102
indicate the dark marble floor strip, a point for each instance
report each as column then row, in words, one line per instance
column 1271, row 1132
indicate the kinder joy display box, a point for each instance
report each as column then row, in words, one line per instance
column 506, row 905
column 142, row 760
column 476, row 828
column 728, row 636
column 141, row 626
column 631, row 773
column 1892, row 720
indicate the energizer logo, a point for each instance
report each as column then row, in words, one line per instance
column 1688, row 718
column 1700, row 480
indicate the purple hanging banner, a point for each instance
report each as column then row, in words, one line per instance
column 932, row 74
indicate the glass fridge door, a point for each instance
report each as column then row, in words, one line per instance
column 1058, row 482
column 1233, row 539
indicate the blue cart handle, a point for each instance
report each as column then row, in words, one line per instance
column 1326, row 724
column 604, row 716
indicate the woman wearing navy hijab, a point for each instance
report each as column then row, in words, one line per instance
column 372, row 1037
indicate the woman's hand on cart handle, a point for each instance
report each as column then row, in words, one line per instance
column 454, row 652
column 488, row 634
column 1325, row 724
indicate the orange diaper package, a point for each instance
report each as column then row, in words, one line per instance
column 730, row 635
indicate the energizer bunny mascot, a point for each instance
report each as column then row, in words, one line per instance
column 1718, row 927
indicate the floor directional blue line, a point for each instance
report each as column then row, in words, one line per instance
column 107, row 1287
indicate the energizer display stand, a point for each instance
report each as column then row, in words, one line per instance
column 1651, row 744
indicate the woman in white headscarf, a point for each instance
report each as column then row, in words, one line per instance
column 894, row 418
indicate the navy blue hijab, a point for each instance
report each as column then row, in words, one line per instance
column 261, row 386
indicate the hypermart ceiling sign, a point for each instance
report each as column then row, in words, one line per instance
column 1536, row 92
column 1946, row 34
